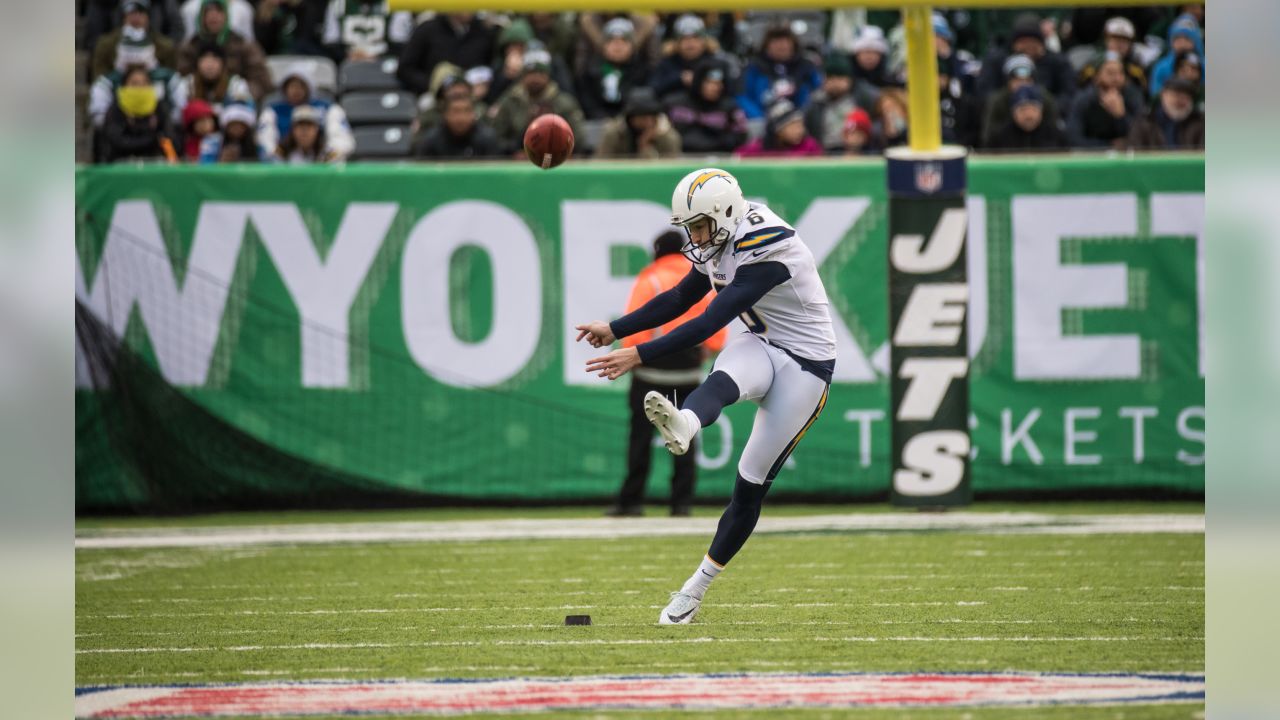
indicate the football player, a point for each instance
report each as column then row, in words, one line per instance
column 764, row 274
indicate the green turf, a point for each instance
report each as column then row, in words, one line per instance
column 832, row 602
column 421, row 514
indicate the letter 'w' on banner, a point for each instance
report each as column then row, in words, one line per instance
column 928, row 302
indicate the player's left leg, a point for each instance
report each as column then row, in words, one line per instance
column 788, row 409
column 743, row 371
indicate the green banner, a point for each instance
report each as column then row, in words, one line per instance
column 303, row 336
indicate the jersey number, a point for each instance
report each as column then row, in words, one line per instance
column 748, row 318
column 754, row 219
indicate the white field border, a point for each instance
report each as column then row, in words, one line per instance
column 1011, row 523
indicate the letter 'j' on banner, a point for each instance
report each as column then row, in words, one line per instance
column 928, row 304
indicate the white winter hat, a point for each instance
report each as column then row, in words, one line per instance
column 870, row 38
column 1120, row 27
column 236, row 112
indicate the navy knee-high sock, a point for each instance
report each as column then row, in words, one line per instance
column 715, row 393
column 738, row 520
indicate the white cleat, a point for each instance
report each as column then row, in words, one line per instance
column 680, row 610
column 676, row 426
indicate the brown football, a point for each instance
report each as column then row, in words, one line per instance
column 548, row 141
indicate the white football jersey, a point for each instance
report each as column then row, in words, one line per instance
column 794, row 315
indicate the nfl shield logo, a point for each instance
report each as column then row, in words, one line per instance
column 928, row 177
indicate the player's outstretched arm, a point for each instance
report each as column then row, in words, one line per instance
column 748, row 286
column 665, row 306
column 596, row 332
column 615, row 364
column 750, row 283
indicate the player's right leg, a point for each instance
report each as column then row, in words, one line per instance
column 743, row 371
column 787, row 411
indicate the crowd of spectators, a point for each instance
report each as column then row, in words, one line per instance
column 306, row 81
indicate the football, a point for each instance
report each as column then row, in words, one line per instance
column 549, row 141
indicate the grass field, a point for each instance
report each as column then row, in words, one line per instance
column 800, row 602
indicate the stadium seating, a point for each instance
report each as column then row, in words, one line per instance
column 810, row 27
column 323, row 71
column 368, row 75
column 379, row 108
column 381, row 142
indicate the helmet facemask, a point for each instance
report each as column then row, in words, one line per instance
column 718, row 239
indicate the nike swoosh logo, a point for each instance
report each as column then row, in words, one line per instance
column 704, row 572
column 757, row 253
column 678, row 618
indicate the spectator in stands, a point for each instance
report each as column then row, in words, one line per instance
column 1028, row 128
column 364, row 29
column 1184, row 36
column 212, row 83
column 944, row 42
column 458, row 38
column 1174, row 123
column 592, row 38
column 1088, row 25
column 1019, row 71
column 674, row 376
column 642, row 131
column 240, row 16
column 611, row 76
column 707, row 116
column 961, row 119
column 137, row 125
column 1052, row 71
column 558, row 34
column 305, row 143
column 101, row 17
column 130, row 53
column 1101, row 115
column 1118, row 38
column 535, row 95
column 450, row 87
column 298, row 92
column 778, row 73
column 829, row 106
column 244, row 57
column 858, row 135
column 1187, row 67
column 199, row 121
column 514, row 40
column 237, row 141
column 290, row 27
column 784, row 135
column 891, row 118
column 480, row 78
column 870, row 65
column 137, row 31
column 459, row 134
column 690, row 46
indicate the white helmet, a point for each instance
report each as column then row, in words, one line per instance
column 713, row 194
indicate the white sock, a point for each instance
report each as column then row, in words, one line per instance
column 691, row 417
column 698, row 583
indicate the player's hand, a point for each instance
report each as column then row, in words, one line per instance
column 597, row 333
column 615, row 364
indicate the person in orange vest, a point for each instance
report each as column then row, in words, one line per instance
column 674, row 376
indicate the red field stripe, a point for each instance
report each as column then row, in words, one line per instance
column 657, row 693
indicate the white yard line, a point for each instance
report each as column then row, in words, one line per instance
column 640, row 641
column 609, row 528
